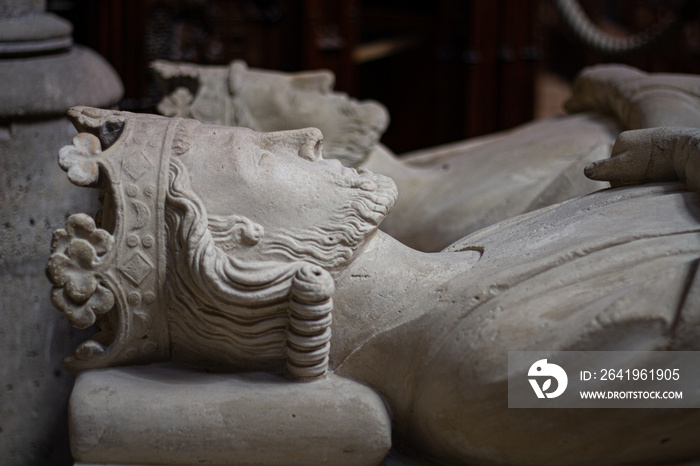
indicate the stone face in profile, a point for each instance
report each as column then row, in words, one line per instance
column 148, row 163
column 264, row 256
column 446, row 192
column 270, row 101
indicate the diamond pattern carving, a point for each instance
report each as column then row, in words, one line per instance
column 136, row 166
column 137, row 268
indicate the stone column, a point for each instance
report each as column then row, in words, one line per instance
column 42, row 75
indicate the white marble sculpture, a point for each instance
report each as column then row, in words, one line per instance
column 450, row 191
column 231, row 250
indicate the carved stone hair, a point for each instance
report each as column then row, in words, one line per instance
column 156, row 255
column 227, row 313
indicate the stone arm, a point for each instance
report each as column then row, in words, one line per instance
column 636, row 99
column 648, row 155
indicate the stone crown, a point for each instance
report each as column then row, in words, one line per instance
column 113, row 273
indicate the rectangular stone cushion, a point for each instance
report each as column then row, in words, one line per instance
column 161, row 414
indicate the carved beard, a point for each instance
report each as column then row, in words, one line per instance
column 228, row 313
column 330, row 244
column 229, row 310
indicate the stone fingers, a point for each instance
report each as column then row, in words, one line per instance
column 637, row 157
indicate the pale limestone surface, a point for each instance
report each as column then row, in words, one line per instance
column 254, row 253
column 259, row 417
column 445, row 192
column 449, row 191
column 637, row 99
column 41, row 76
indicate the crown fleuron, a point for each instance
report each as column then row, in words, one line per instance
column 113, row 273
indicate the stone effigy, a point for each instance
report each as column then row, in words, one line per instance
column 450, row 191
column 226, row 250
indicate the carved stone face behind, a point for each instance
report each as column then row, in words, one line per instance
column 269, row 101
column 280, row 180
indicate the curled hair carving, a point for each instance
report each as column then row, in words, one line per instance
column 245, row 315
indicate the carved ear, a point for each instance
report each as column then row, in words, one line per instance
column 107, row 125
column 319, row 81
column 236, row 74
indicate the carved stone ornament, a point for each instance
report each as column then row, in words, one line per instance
column 112, row 276
column 113, row 272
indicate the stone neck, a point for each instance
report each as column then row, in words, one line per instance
column 383, row 161
column 387, row 284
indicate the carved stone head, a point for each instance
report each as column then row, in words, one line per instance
column 216, row 246
column 273, row 101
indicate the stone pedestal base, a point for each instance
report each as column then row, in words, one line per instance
column 161, row 414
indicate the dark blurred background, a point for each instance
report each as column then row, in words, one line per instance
column 446, row 69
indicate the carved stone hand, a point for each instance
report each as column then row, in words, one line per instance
column 657, row 154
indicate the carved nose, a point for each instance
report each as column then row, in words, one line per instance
column 312, row 146
column 307, row 143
